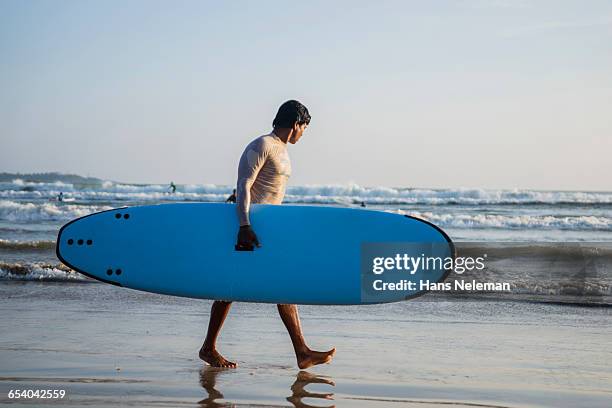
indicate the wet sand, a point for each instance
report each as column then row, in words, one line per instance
column 111, row 346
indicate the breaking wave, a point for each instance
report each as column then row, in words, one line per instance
column 26, row 245
column 48, row 211
column 41, row 272
column 459, row 221
column 314, row 194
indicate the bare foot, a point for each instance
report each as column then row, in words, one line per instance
column 215, row 359
column 310, row 358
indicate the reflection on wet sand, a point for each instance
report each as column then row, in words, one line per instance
column 298, row 392
column 208, row 379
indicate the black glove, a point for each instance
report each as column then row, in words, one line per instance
column 246, row 239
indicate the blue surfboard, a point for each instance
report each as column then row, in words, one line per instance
column 309, row 254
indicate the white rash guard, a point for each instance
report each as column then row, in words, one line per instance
column 263, row 172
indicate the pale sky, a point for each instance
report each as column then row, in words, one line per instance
column 492, row 94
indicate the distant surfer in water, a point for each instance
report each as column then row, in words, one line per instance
column 263, row 172
column 172, row 187
column 232, row 198
column 60, row 196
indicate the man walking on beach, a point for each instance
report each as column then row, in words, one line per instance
column 263, row 172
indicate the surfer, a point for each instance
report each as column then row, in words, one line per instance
column 172, row 187
column 263, row 171
column 60, row 196
column 232, row 198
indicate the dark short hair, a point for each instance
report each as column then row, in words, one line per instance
column 289, row 113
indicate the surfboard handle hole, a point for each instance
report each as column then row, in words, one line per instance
column 109, row 272
column 80, row 242
column 118, row 215
column 126, row 216
column 89, row 242
column 118, row 271
column 70, row 241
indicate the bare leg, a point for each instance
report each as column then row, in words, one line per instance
column 305, row 356
column 208, row 352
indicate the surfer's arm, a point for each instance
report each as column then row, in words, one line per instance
column 251, row 162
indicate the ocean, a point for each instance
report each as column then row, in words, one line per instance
column 553, row 246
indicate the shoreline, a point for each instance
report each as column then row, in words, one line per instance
column 108, row 345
